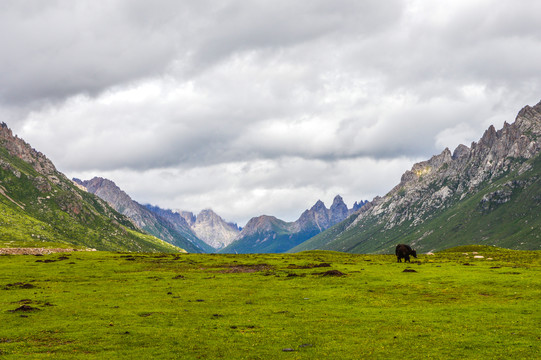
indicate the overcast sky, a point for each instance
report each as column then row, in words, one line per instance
column 261, row 107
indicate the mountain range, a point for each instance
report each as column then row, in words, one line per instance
column 208, row 232
column 488, row 193
column 265, row 234
column 174, row 231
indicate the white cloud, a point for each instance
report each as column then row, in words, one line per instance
column 261, row 107
column 282, row 187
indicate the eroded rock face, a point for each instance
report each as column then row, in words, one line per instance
column 19, row 148
column 445, row 178
column 214, row 230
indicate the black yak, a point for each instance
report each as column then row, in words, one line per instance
column 404, row 251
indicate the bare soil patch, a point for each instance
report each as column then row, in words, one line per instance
column 309, row 266
column 246, row 268
column 330, row 273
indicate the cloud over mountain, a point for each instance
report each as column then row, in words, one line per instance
column 245, row 90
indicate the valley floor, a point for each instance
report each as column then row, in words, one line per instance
column 313, row 305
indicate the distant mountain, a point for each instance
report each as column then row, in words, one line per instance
column 211, row 228
column 176, row 233
column 40, row 206
column 208, row 226
column 267, row 234
column 488, row 193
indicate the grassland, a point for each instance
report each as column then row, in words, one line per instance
column 272, row 306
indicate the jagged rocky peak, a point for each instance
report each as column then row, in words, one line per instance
column 339, row 210
column 21, row 149
column 109, row 191
column 213, row 229
column 461, row 151
column 436, row 183
column 489, row 137
column 318, row 206
column 424, row 168
column 188, row 216
column 529, row 119
column 357, row 206
column 96, row 183
column 207, row 215
column 338, row 202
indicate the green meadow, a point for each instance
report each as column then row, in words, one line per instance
column 311, row 305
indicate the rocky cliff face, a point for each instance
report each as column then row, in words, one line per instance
column 118, row 199
column 447, row 182
column 19, row 148
column 435, row 183
column 321, row 218
column 214, row 230
column 269, row 234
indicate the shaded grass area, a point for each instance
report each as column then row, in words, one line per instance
column 271, row 306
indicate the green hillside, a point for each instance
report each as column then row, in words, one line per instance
column 48, row 210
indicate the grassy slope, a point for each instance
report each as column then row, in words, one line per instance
column 103, row 305
column 515, row 224
column 61, row 216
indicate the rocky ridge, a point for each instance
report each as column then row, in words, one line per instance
column 270, row 234
column 435, row 182
column 19, row 148
column 211, row 228
column 440, row 183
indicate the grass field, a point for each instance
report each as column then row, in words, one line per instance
column 273, row 306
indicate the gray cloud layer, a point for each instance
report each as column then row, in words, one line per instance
column 259, row 106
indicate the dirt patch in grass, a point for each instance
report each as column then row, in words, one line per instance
column 309, row 266
column 330, row 273
column 245, row 268
column 295, row 275
column 25, row 308
column 409, row 270
column 19, row 285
